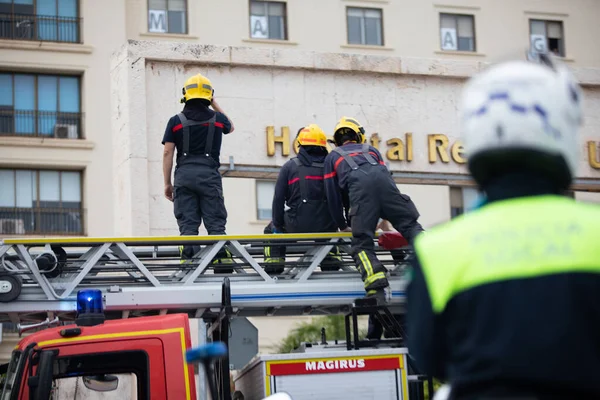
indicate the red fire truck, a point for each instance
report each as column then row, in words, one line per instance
column 144, row 355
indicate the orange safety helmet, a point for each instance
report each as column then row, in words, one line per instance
column 312, row 135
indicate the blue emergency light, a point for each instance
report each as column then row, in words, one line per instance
column 90, row 310
column 89, row 301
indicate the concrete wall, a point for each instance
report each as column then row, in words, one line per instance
column 588, row 197
column 258, row 88
column 410, row 27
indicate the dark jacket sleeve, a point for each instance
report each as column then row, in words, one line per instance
column 223, row 120
column 333, row 193
column 425, row 334
column 281, row 187
column 169, row 136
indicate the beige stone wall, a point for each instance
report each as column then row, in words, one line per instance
column 588, row 197
column 258, row 88
column 410, row 27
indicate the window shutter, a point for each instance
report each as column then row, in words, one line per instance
column 257, row 8
column 465, row 26
column 276, row 9
column 554, row 30
column 538, row 28
column 157, row 4
column 177, row 5
column 447, row 21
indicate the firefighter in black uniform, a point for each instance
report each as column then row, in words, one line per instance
column 504, row 301
column 300, row 187
column 357, row 169
column 197, row 133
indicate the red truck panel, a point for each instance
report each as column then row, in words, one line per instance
column 164, row 338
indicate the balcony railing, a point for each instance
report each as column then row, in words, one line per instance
column 41, row 221
column 60, row 125
column 40, row 28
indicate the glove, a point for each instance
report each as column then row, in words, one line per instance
column 275, row 231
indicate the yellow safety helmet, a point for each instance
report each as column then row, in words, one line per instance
column 312, row 135
column 348, row 123
column 197, row 87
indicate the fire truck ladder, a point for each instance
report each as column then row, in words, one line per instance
column 39, row 278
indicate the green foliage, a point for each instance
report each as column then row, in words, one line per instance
column 335, row 328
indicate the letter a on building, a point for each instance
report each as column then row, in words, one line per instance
column 259, row 27
column 449, row 39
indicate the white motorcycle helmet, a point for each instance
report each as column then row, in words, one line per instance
column 522, row 115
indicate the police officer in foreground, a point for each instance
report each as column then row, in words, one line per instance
column 504, row 300
column 357, row 169
column 197, row 133
column 300, row 187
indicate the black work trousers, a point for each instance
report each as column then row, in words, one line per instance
column 373, row 194
column 275, row 255
column 198, row 197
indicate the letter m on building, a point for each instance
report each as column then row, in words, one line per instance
column 157, row 21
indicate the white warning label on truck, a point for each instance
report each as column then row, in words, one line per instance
column 345, row 364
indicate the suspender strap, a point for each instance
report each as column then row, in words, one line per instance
column 302, row 172
column 314, row 164
column 186, row 123
column 210, row 135
column 346, row 157
column 186, row 133
column 301, row 179
column 367, row 155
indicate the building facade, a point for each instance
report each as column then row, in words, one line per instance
column 87, row 87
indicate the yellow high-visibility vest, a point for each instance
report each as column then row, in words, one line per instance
column 511, row 239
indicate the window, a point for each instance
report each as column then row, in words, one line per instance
column 457, row 32
column 264, row 199
column 268, row 20
column 462, row 199
column 47, row 20
column 547, row 35
column 9, row 378
column 112, row 386
column 127, row 370
column 40, row 202
column 40, row 105
column 167, row 16
column 365, row 26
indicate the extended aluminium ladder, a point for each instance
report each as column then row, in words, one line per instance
column 39, row 280
column 145, row 276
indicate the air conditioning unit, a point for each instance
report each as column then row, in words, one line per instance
column 12, row 226
column 65, row 131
